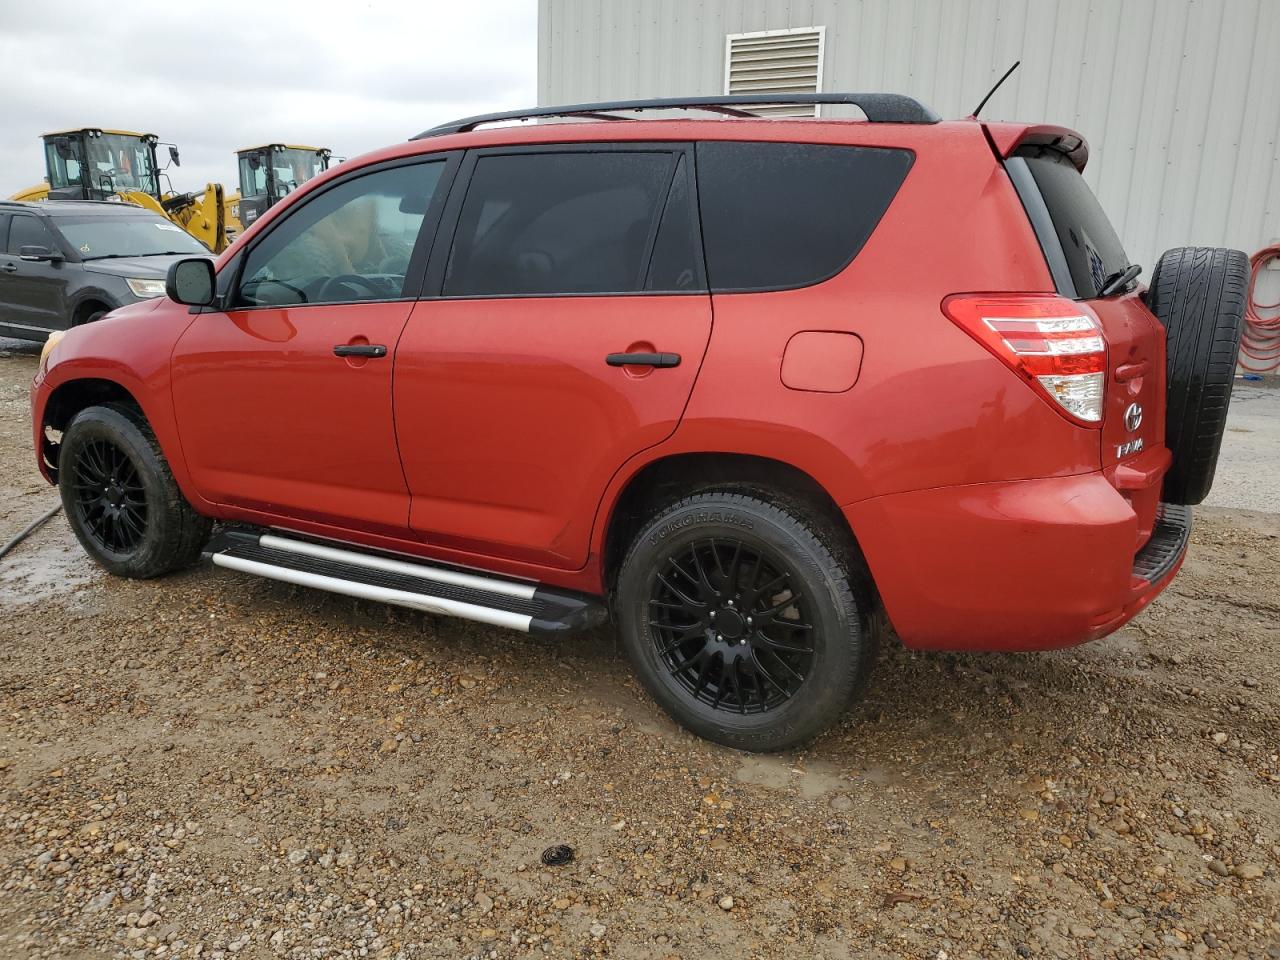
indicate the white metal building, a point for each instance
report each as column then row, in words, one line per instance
column 1179, row 99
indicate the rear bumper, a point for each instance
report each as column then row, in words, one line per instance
column 1020, row 565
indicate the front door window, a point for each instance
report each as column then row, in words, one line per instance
column 351, row 243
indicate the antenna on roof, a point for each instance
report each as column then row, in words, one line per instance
column 992, row 91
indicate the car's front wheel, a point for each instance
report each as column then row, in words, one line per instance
column 120, row 496
column 741, row 622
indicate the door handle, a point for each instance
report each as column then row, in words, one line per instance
column 1130, row 371
column 643, row 359
column 359, row 350
column 9, row 267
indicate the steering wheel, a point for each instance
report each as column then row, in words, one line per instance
column 349, row 281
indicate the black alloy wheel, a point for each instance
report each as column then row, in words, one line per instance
column 747, row 620
column 110, row 498
column 732, row 626
column 120, row 497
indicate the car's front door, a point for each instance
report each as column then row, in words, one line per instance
column 7, row 269
column 33, row 290
column 284, row 400
column 564, row 331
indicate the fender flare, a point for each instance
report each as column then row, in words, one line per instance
column 158, row 414
column 810, row 454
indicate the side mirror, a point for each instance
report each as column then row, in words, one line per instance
column 38, row 254
column 173, row 156
column 191, row 281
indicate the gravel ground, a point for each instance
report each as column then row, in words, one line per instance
column 216, row 766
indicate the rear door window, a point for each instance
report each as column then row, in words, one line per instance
column 1090, row 245
column 779, row 215
column 550, row 223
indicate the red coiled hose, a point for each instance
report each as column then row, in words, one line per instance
column 1261, row 339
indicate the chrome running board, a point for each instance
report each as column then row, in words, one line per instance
column 445, row 591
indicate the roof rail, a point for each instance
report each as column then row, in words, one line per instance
column 878, row 107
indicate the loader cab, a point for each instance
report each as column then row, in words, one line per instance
column 271, row 172
column 93, row 164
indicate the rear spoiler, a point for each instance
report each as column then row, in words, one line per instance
column 1005, row 138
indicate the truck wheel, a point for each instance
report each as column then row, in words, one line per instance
column 741, row 622
column 120, row 496
column 1198, row 293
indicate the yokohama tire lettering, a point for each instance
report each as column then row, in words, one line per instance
column 701, row 516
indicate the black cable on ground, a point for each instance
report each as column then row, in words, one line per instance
column 30, row 528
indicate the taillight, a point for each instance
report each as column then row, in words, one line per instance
column 1055, row 344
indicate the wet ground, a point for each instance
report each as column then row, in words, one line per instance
column 211, row 765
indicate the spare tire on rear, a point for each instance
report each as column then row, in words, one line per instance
column 1198, row 293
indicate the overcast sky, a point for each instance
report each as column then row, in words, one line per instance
column 213, row 78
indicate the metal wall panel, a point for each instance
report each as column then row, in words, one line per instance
column 1179, row 99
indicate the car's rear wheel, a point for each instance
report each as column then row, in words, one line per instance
column 741, row 622
column 1198, row 293
column 120, row 496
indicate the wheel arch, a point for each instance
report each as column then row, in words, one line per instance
column 669, row 478
column 89, row 303
column 65, row 401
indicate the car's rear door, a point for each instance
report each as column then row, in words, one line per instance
column 284, row 400
column 521, row 384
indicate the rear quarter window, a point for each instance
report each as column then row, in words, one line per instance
column 781, row 215
column 569, row 222
column 1090, row 245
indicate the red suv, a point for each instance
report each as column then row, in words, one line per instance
column 752, row 387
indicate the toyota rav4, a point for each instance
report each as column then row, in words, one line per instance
column 755, row 389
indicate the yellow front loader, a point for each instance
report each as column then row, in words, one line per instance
column 270, row 172
column 94, row 164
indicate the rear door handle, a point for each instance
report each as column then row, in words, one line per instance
column 9, row 267
column 360, row 350
column 643, row 359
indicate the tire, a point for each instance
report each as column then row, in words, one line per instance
column 142, row 526
column 740, row 688
column 1198, row 293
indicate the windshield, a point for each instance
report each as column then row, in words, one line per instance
column 289, row 169
column 118, row 163
column 96, row 238
column 294, row 168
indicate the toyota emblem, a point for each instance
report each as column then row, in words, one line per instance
column 1133, row 417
